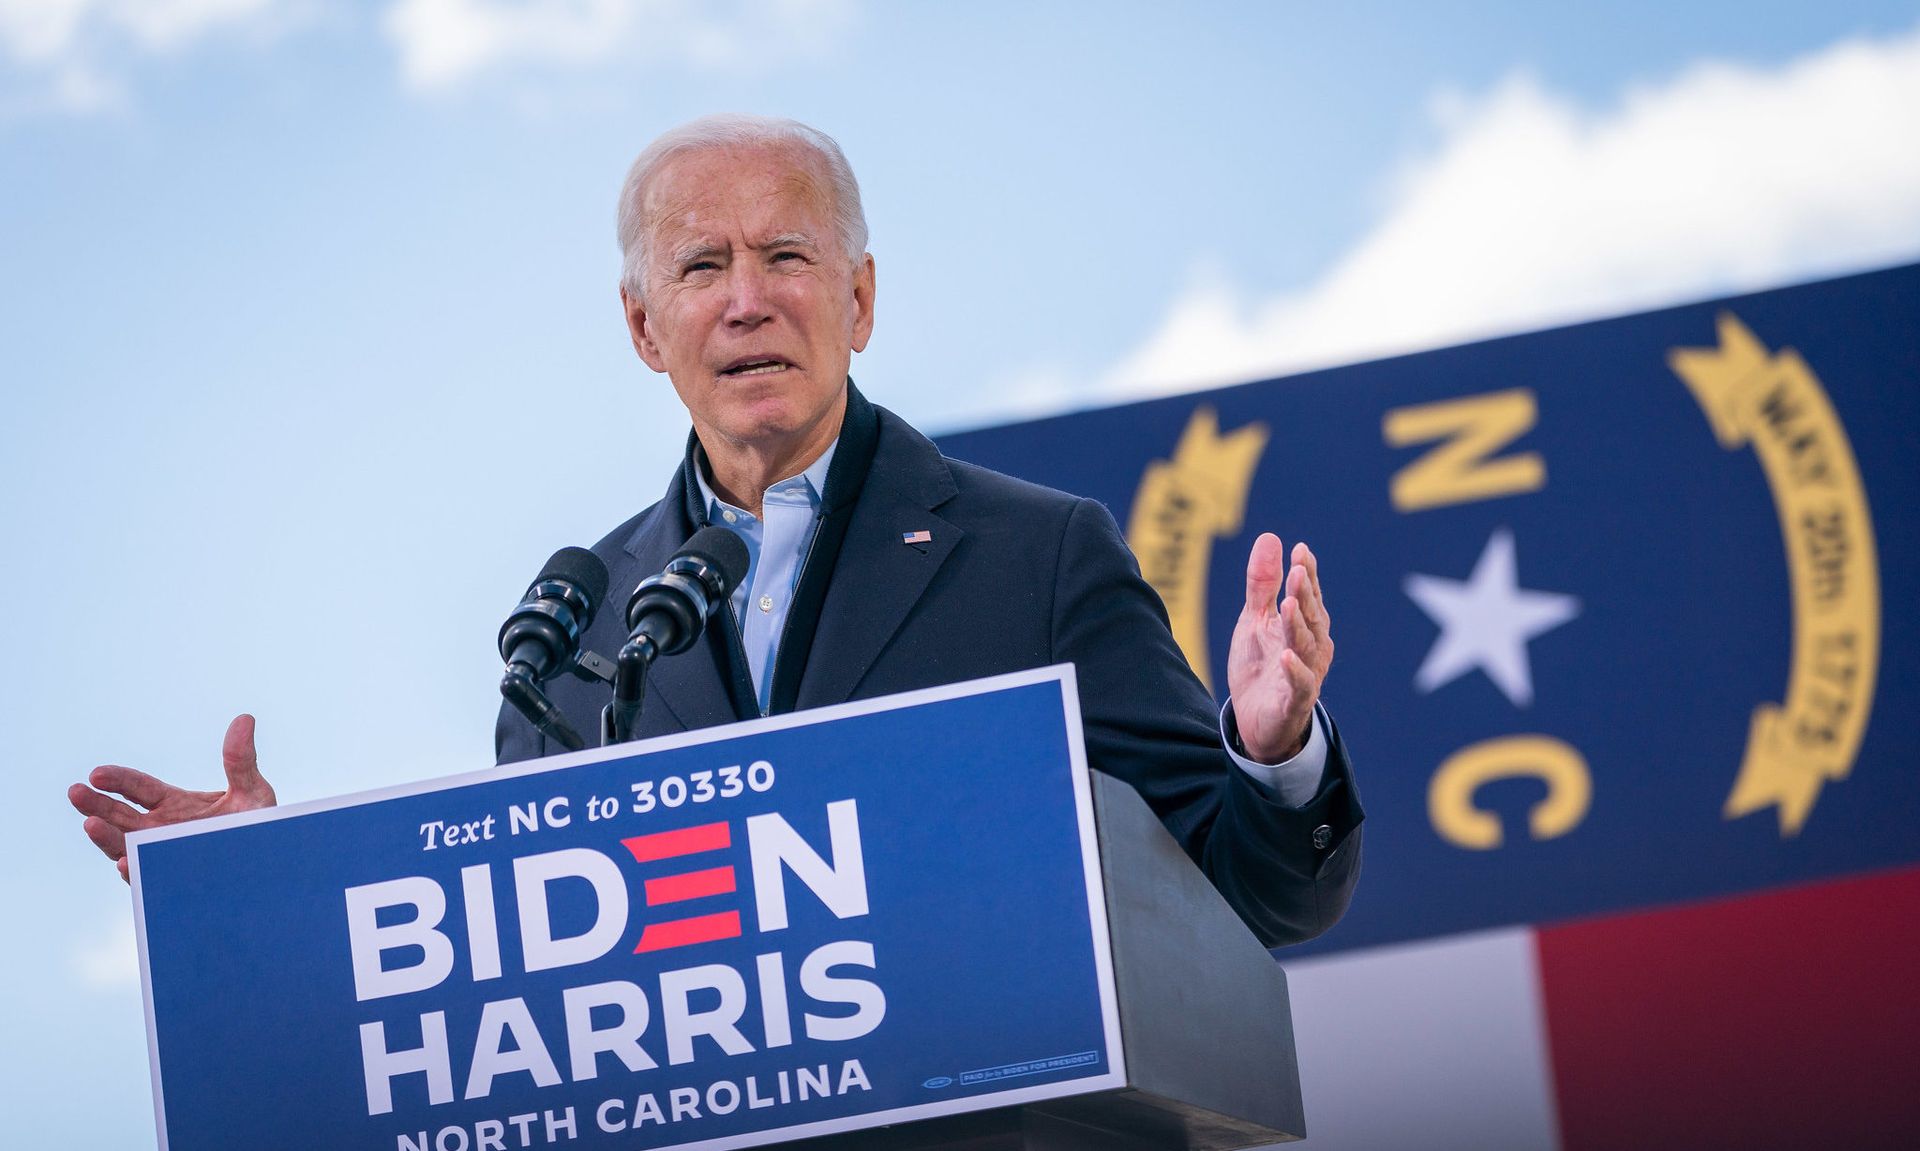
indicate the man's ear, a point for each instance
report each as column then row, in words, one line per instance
column 643, row 341
column 863, row 303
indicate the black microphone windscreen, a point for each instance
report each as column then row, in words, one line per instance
column 723, row 549
column 583, row 569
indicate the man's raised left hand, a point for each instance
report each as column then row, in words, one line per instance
column 1281, row 650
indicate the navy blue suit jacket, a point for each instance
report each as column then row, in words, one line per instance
column 1016, row 576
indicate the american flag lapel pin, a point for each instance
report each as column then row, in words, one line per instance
column 917, row 540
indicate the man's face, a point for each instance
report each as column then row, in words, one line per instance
column 752, row 308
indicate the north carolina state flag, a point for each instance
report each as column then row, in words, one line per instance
column 1627, row 614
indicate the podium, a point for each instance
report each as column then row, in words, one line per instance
column 914, row 922
column 1204, row 1018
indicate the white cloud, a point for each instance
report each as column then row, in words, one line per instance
column 67, row 51
column 166, row 25
column 37, row 30
column 445, row 43
column 112, row 958
column 1533, row 212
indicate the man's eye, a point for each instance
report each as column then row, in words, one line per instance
column 778, row 256
column 701, row 266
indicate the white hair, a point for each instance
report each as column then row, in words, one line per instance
column 732, row 131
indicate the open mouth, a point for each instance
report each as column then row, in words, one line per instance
column 755, row 367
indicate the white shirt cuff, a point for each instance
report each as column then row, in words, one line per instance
column 1294, row 781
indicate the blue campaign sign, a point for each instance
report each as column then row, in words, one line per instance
column 865, row 914
column 1628, row 613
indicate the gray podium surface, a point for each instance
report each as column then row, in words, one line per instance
column 1204, row 1020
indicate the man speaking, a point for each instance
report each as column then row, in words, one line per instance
column 880, row 566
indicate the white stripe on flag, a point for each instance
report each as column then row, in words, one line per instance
column 1430, row 1045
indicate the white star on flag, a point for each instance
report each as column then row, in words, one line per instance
column 1486, row 622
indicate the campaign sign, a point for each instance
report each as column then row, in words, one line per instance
column 865, row 914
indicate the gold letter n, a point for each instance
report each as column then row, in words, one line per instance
column 1459, row 471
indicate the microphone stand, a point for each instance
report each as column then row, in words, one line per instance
column 622, row 715
column 522, row 690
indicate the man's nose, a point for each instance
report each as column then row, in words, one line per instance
column 748, row 305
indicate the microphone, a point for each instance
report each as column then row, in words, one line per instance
column 666, row 614
column 668, row 611
column 543, row 633
column 542, row 636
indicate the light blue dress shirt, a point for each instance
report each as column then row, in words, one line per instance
column 778, row 540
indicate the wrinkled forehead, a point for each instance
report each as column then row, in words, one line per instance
column 722, row 193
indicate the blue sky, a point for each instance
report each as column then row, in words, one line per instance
column 313, row 351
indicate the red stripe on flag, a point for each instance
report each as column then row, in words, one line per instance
column 683, row 932
column 1789, row 1019
column 686, row 841
column 691, row 885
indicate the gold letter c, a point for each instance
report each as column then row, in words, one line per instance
column 1450, row 796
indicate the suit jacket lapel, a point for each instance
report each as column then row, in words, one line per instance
column 879, row 578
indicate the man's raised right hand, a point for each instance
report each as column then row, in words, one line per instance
column 159, row 803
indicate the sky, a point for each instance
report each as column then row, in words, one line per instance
column 312, row 347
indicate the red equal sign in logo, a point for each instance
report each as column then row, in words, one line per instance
column 686, row 885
